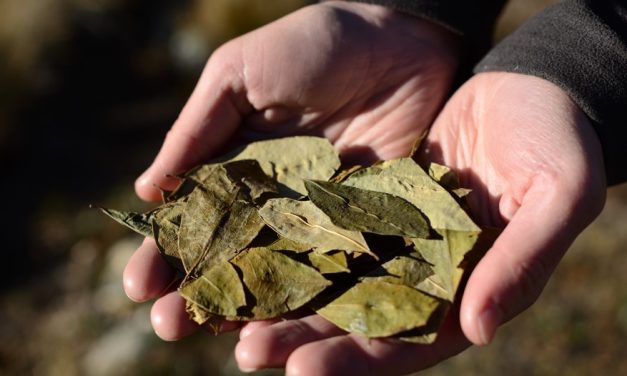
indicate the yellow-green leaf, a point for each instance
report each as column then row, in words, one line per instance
column 277, row 283
column 305, row 223
column 379, row 309
column 218, row 291
column 405, row 179
column 290, row 160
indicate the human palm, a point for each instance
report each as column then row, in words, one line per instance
column 535, row 167
column 369, row 79
column 372, row 81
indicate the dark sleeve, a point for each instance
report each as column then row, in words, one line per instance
column 582, row 47
column 472, row 20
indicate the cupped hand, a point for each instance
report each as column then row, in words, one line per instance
column 369, row 79
column 535, row 166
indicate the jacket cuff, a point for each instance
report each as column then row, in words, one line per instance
column 472, row 20
column 580, row 46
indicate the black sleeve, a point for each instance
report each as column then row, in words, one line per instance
column 472, row 20
column 582, row 47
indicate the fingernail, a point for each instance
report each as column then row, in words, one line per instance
column 489, row 320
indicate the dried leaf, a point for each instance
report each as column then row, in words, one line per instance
column 248, row 255
column 379, row 309
column 141, row 223
column 427, row 333
column 329, row 263
column 445, row 255
column 285, row 244
column 204, row 212
column 405, row 270
column 277, row 283
column 246, row 173
column 290, row 160
column 220, row 218
column 405, row 179
column 340, row 176
column 369, row 211
column 166, row 224
column 218, row 291
column 444, row 176
column 304, row 223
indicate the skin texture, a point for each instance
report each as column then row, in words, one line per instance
column 372, row 81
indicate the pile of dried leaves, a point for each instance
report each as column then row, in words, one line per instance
column 274, row 227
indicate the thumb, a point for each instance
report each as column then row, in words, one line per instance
column 515, row 270
column 209, row 118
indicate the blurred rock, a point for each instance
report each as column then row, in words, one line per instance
column 118, row 351
column 109, row 298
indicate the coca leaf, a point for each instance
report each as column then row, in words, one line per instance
column 220, row 218
column 369, row 211
column 218, row 291
column 246, row 173
column 404, row 178
column 446, row 256
column 290, row 160
column 403, row 270
column 376, row 308
column 141, row 223
column 285, row 244
column 305, row 223
column 277, row 283
column 166, row 224
column 329, row 263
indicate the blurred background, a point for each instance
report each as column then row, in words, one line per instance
column 88, row 89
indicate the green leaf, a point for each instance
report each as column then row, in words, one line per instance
column 369, row 211
column 376, row 308
column 304, row 223
column 277, row 283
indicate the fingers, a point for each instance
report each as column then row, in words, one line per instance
column 169, row 318
column 313, row 346
column 354, row 354
column 147, row 275
column 515, row 270
column 271, row 345
column 208, row 120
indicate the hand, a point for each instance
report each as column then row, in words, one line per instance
column 535, row 166
column 365, row 77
